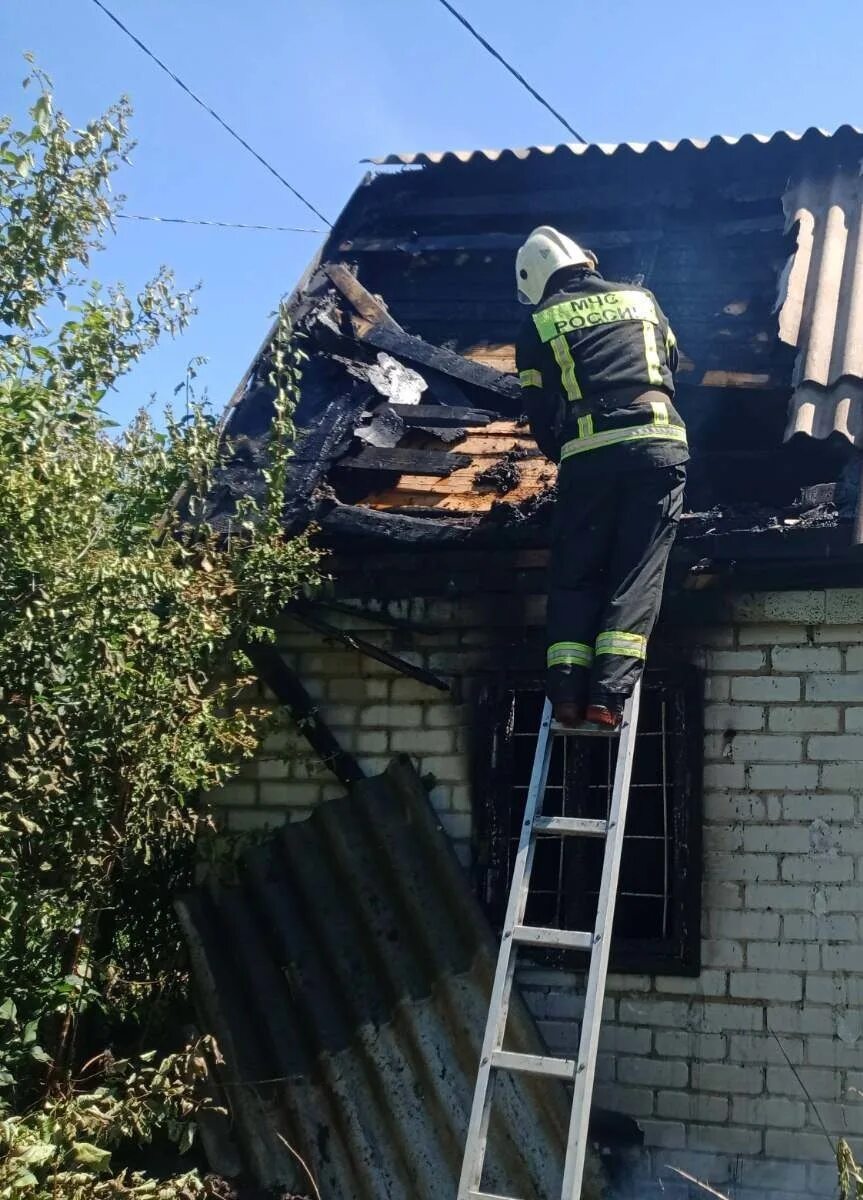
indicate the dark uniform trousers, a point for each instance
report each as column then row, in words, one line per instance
column 610, row 545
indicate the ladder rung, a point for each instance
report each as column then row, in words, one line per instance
column 570, row 826
column 534, row 1064
column 584, row 730
column 564, row 939
column 486, row 1196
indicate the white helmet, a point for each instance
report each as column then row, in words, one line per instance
column 544, row 252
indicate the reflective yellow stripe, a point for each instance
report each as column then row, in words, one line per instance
column 565, row 654
column 660, row 412
column 530, row 379
column 670, row 340
column 584, row 312
column 585, row 426
column 565, row 361
column 626, row 645
column 636, row 433
column 651, row 353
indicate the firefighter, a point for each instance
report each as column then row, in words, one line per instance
column 596, row 362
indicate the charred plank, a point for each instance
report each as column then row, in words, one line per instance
column 288, row 689
column 305, row 617
column 442, row 415
column 406, row 462
column 367, row 306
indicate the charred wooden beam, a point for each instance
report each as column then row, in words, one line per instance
column 372, row 651
column 421, row 353
column 368, row 306
column 376, row 616
column 406, row 462
column 443, row 415
column 288, row 689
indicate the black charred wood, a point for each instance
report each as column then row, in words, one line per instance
column 288, row 689
column 406, row 462
column 368, row 648
column 429, row 416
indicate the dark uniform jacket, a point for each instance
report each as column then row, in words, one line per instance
column 596, row 362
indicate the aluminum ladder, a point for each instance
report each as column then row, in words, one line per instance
column 581, row 1070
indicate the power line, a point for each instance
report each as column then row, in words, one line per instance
column 521, row 79
column 236, row 136
column 216, row 224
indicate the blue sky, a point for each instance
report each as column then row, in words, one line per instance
column 317, row 85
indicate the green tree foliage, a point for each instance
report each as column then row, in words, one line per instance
column 121, row 640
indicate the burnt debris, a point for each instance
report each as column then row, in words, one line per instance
column 505, row 475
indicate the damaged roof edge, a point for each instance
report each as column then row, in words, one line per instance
column 579, row 150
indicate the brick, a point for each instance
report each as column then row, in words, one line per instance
column 770, row 747
column 805, row 607
column 811, row 927
column 743, row 867
column 391, row 716
column 810, row 1018
column 446, row 716
column 827, row 989
column 776, row 1173
column 370, row 741
column 234, row 794
column 804, row 718
column 764, row 1048
column 758, row 926
column 821, row 1083
column 805, row 1146
column 358, row 690
column 724, row 775
column 767, row 985
column 669, row 1135
column 842, row 958
column 728, row 1079
column 809, row 868
column 736, row 660
column 734, row 716
column 783, row 956
column 768, row 1111
column 854, row 719
column 634, row 1102
column 723, row 838
column 832, row 1052
column 767, row 688
column 719, row 893
column 844, row 605
column 847, row 747
column 733, row 806
column 625, row 1039
column 836, row 634
column 725, row 1139
column 854, row 655
column 840, row 776
column 690, row 1044
column 446, row 768
column 669, row 1013
column 692, row 1106
column 708, row 983
column 808, row 658
column 457, row 825
column 778, row 896
column 807, row 807
column 716, row 687
column 833, row 688
column 776, row 839
column 422, row 741
column 771, row 635
column 842, row 898
column 721, row 953
column 250, row 819
column 792, row 777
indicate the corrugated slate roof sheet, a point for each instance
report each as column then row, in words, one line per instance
column 822, row 311
column 436, row 157
column 352, row 965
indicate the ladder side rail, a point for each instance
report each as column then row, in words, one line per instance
column 477, row 1134
column 598, row 970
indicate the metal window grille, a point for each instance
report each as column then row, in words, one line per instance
column 657, row 924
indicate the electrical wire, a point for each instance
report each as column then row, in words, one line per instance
column 521, row 79
column 229, row 129
column 215, row 224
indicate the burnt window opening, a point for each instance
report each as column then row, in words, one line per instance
column 658, row 914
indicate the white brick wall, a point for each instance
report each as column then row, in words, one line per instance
column 696, row 1061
